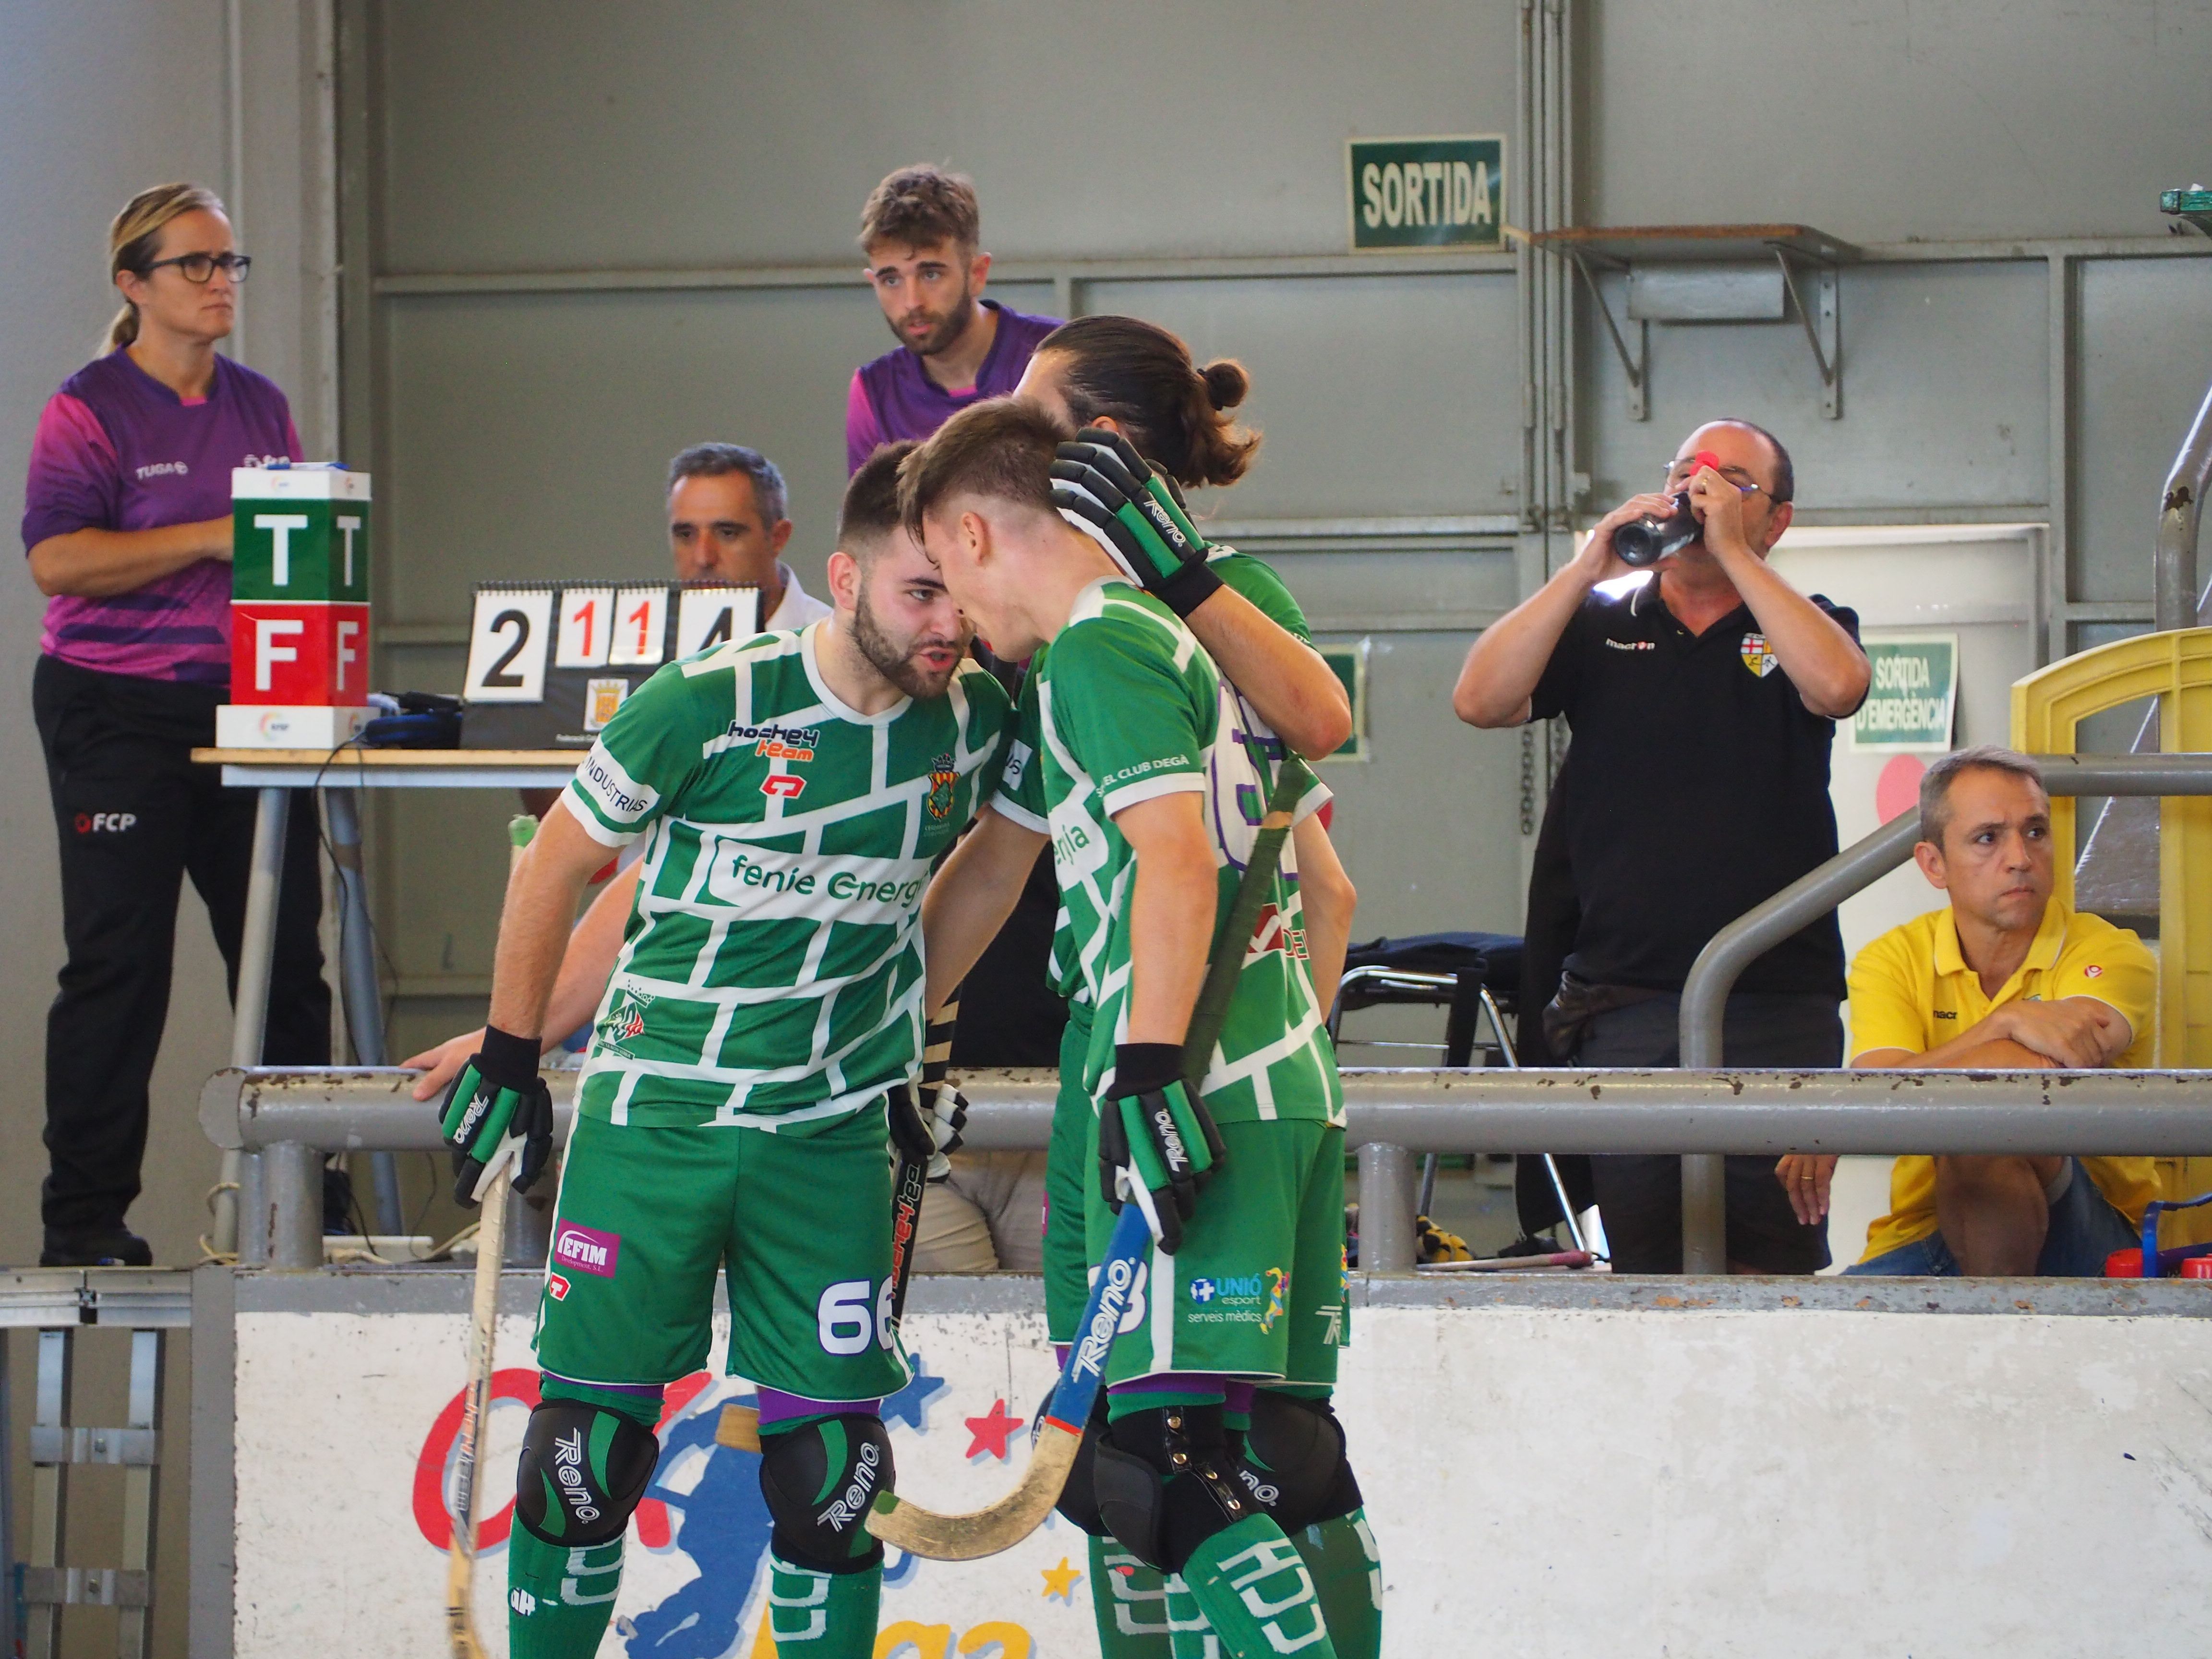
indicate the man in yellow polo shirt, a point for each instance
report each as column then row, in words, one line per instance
column 2006, row 978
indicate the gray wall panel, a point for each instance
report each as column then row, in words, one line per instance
column 1944, row 399
column 568, row 133
column 1881, row 120
column 1380, row 395
column 1430, row 826
column 528, row 435
column 2146, row 357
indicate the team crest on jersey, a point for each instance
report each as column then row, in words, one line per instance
column 782, row 786
column 1758, row 656
column 624, row 1023
column 943, row 781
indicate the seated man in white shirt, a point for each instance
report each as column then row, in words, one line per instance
column 727, row 523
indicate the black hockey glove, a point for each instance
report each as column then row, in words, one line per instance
column 924, row 1125
column 1101, row 484
column 1156, row 1142
column 497, row 1105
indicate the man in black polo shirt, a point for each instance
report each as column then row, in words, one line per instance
column 1703, row 699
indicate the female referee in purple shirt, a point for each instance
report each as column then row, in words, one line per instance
column 126, row 519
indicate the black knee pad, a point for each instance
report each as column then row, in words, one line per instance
column 1294, row 1450
column 1078, row 1498
column 1165, row 1483
column 583, row 1470
column 820, row 1480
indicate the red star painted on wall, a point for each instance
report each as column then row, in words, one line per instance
column 992, row 1431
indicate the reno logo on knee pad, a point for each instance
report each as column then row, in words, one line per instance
column 569, row 1471
column 586, row 1249
column 850, row 1506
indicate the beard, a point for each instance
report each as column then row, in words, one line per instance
column 897, row 660
column 945, row 327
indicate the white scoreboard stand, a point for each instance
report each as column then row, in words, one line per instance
column 550, row 662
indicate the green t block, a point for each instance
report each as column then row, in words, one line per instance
column 299, row 536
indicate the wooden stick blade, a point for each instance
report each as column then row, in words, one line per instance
column 738, row 1428
column 986, row 1531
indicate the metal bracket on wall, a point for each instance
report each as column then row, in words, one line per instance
column 1637, row 368
column 1823, row 329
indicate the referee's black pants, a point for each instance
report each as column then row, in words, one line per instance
column 134, row 816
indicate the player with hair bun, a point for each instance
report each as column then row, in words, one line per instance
column 1135, row 390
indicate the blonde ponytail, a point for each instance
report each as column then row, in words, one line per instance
column 135, row 237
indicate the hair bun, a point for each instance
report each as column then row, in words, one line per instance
column 1226, row 383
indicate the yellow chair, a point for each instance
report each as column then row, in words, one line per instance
column 2047, row 709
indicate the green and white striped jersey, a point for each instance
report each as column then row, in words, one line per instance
column 1021, row 787
column 1131, row 708
column 771, row 969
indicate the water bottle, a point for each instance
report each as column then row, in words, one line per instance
column 1643, row 542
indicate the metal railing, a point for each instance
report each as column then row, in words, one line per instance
column 1392, row 1115
column 2173, row 558
column 1736, row 946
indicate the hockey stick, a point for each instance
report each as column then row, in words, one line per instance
column 739, row 1427
column 1001, row 1525
column 483, row 1318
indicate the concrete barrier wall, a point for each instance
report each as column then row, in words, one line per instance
column 1553, row 1465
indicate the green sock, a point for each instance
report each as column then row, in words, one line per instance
column 558, row 1598
column 1188, row 1631
column 1256, row 1592
column 1130, row 1602
column 1347, row 1575
column 822, row 1615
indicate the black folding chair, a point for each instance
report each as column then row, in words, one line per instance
column 1477, row 976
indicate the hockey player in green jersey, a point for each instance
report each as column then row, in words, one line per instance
column 763, row 1013
column 1136, row 387
column 1155, row 788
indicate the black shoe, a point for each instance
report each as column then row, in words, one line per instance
column 118, row 1249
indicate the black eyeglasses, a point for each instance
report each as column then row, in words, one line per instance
column 200, row 267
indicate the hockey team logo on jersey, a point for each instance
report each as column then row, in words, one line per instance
column 776, row 748
column 943, row 781
column 586, row 1249
column 624, row 1023
column 782, row 786
column 790, row 737
column 1758, row 656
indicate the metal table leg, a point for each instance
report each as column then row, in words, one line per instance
column 256, row 950
column 360, row 989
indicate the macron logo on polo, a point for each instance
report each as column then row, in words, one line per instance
column 586, row 1249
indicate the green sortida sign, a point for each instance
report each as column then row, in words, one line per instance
column 1446, row 192
column 1913, row 696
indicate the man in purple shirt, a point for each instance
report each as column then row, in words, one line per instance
column 920, row 230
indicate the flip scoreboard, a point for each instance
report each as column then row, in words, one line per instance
column 550, row 662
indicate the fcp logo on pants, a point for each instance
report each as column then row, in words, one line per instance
column 97, row 823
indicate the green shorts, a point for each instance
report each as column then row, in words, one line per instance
column 802, row 1224
column 1259, row 1288
column 1070, row 1170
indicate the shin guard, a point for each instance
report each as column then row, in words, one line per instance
column 1130, row 1602
column 1347, row 1575
column 824, row 1615
column 1255, row 1592
column 559, row 1596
